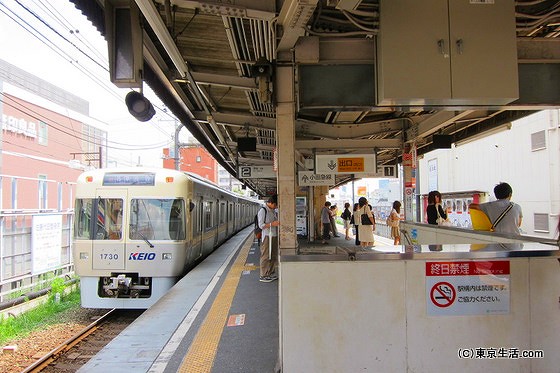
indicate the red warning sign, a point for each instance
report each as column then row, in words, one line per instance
column 467, row 287
column 443, row 294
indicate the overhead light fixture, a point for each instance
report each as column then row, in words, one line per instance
column 139, row 106
column 151, row 14
column 348, row 4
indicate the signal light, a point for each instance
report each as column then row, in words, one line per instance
column 139, row 106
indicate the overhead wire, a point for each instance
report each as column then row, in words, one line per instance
column 58, row 50
column 49, row 122
column 37, row 34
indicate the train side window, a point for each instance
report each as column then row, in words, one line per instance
column 82, row 223
column 208, row 223
column 222, row 213
column 177, row 220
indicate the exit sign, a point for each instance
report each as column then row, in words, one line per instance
column 345, row 164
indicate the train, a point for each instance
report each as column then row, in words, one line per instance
column 138, row 230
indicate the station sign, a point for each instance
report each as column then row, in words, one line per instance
column 386, row 172
column 256, row 172
column 345, row 164
column 309, row 178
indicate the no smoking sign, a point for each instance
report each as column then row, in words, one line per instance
column 443, row 294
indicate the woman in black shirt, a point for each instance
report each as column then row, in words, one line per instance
column 434, row 205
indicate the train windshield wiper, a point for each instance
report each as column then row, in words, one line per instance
column 135, row 230
column 145, row 239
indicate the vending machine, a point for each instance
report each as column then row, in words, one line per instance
column 301, row 216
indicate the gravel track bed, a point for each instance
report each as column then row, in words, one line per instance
column 40, row 342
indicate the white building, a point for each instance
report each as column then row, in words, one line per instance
column 525, row 154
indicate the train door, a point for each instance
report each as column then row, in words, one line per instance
column 108, row 229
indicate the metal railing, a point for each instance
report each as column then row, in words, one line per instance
column 36, row 220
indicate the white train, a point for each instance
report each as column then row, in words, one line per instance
column 138, row 230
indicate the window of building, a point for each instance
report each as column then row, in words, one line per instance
column 43, row 137
column 541, row 222
column 42, row 191
column 538, row 140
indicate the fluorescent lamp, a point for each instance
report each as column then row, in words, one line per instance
column 151, row 14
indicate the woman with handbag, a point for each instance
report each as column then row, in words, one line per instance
column 393, row 221
column 366, row 222
column 434, row 210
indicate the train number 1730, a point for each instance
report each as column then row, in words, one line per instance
column 105, row 256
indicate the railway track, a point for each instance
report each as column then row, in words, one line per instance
column 77, row 350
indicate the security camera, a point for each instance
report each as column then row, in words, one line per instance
column 261, row 68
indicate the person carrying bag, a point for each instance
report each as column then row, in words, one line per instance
column 366, row 223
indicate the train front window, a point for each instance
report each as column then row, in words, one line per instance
column 157, row 219
column 98, row 218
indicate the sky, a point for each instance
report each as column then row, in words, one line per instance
column 61, row 46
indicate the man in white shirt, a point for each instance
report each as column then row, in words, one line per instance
column 268, row 222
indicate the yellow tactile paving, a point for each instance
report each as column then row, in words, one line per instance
column 201, row 354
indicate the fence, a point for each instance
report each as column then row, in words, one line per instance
column 36, row 220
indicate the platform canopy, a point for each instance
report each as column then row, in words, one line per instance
column 371, row 76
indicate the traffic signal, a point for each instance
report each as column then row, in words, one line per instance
column 139, row 106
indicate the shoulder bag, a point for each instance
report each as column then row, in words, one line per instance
column 441, row 221
column 499, row 219
column 365, row 219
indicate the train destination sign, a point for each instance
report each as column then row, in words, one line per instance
column 128, row 178
column 345, row 164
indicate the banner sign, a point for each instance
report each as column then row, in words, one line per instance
column 46, row 242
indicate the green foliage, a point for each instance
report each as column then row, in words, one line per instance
column 48, row 313
column 57, row 286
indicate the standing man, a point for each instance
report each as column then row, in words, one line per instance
column 333, row 212
column 326, row 222
column 268, row 222
column 505, row 216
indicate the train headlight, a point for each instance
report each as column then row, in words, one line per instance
column 84, row 255
column 166, row 256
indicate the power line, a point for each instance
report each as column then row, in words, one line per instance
column 59, row 34
column 61, row 20
column 49, row 122
column 55, row 48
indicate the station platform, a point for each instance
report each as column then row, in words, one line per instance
column 218, row 318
